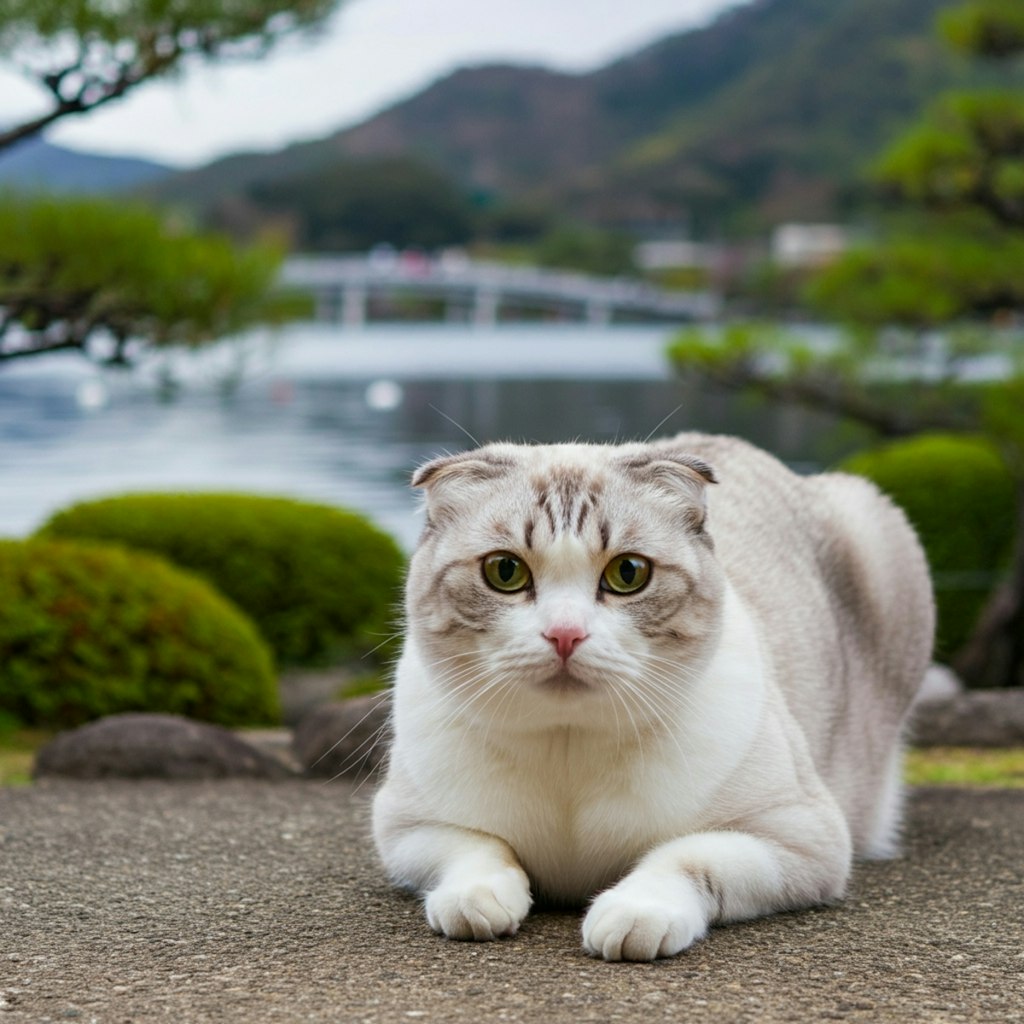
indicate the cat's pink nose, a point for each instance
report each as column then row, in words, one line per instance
column 565, row 639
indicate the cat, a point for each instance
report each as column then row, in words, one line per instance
column 668, row 680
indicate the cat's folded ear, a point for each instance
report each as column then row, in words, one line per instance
column 453, row 482
column 478, row 465
column 679, row 474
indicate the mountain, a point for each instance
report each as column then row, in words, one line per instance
column 824, row 86
column 769, row 113
column 36, row 165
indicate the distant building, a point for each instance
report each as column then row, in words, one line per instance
column 664, row 254
column 808, row 245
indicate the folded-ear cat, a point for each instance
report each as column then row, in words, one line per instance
column 663, row 681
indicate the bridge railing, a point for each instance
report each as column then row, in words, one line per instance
column 486, row 284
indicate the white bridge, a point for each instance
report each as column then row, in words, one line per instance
column 345, row 286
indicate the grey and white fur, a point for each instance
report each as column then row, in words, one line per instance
column 713, row 745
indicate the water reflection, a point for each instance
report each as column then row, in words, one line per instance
column 346, row 422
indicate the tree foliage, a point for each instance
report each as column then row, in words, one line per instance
column 987, row 28
column 90, row 630
column 896, row 381
column 592, row 250
column 356, row 204
column 319, row 582
column 968, row 152
column 84, row 53
column 938, row 274
column 78, row 274
column 962, row 171
column 962, row 168
column 966, row 536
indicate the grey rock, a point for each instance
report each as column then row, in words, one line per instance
column 275, row 742
column 303, row 690
column 347, row 738
column 154, row 746
column 940, row 683
column 975, row 718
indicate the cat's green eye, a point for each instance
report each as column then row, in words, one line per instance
column 505, row 572
column 626, row 574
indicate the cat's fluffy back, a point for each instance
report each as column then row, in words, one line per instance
column 836, row 577
column 776, row 531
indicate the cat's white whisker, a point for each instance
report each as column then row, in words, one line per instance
column 618, row 723
column 475, row 682
column 358, row 756
column 632, row 721
column 386, row 640
column 668, row 719
column 381, row 698
column 507, row 693
column 455, row 423
column 662, row 422
column 668, row 687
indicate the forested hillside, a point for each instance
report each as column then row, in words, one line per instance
column 769, row 113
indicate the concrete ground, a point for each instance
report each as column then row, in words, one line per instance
column 252, row 901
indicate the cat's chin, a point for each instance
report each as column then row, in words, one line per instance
column 565, row 682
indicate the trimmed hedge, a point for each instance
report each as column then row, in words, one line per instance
column 88, row 630
column 320, row 583
column 959, row 495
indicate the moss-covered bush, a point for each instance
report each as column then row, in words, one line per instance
column 319, row 582
column 88, row 630
column 959, row 495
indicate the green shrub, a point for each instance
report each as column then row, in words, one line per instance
column 958, row 494
column 88, row 630
column 320, row 583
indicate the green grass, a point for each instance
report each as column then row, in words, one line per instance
column 364, row 684
column 17, row 751
column 965, row 766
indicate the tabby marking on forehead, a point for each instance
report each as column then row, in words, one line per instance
column 528, row 534
column 567, row 498
column 581, row 517
column 502, row 532
column 540, row 487
column 568, row 483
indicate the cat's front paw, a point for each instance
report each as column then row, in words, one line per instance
column 483, row 908
column 644, row 920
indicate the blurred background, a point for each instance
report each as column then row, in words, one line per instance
column 295, row 249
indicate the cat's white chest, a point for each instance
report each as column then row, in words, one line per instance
column 577, row 815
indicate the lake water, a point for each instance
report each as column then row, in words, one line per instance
column 344, row 416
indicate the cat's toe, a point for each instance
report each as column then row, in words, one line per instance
column 488, row 908
column 625, row 926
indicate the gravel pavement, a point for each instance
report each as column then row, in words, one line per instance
column 256, row 901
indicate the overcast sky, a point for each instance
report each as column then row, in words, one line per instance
column 373, row 53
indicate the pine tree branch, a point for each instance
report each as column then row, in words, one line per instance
column 129, row 76
column 66, row 344
column 835, row 395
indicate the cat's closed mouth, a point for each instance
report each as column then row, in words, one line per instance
column 563, row 681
